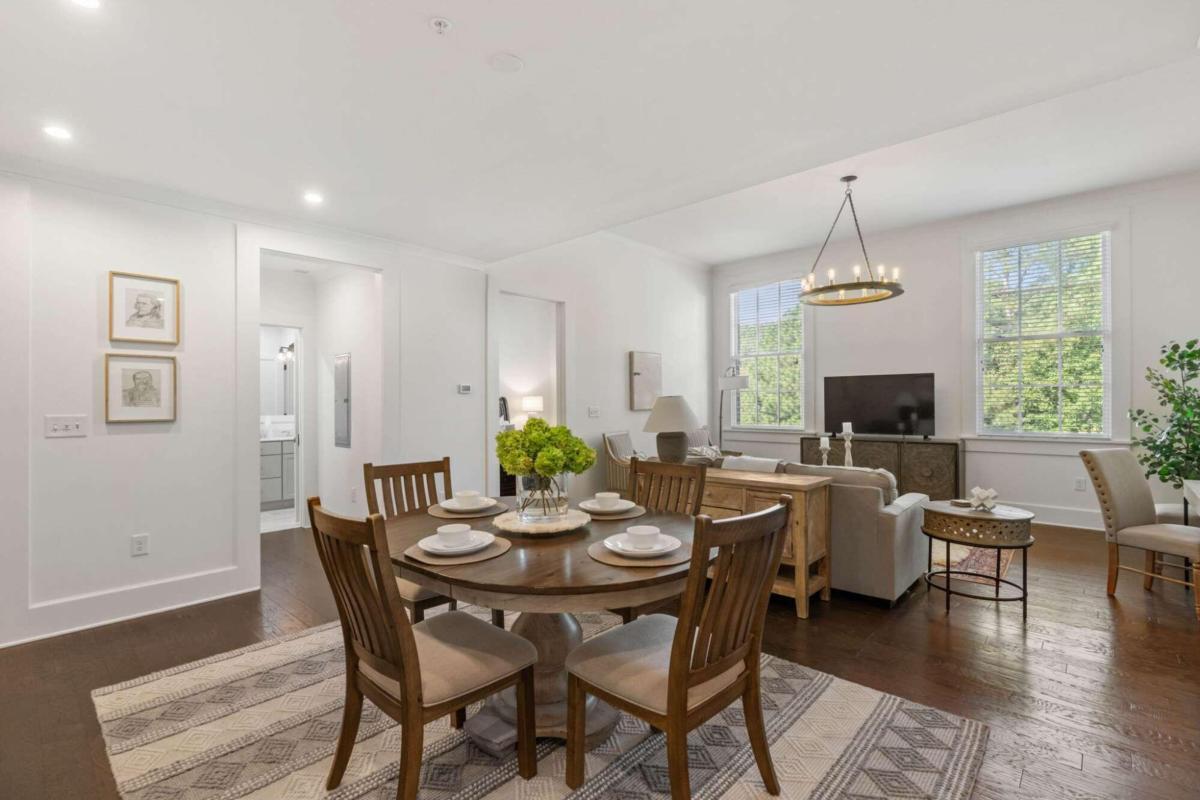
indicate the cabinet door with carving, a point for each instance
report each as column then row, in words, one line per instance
column 929, row 468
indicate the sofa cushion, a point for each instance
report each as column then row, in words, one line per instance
column 854, row 476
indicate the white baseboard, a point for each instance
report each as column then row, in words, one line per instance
column 1066, row 516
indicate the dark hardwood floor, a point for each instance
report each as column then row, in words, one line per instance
column 1092, row 698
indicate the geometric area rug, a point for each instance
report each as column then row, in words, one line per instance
column 261, row 723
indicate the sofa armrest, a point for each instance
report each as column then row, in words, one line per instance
column 905, row 503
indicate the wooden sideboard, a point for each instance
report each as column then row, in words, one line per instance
column 805, row 568
column 928, row 466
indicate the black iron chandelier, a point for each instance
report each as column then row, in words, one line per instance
column 874, row 288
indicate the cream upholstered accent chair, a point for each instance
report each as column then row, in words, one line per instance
column 414, row 673
column 1131, row 520
column 675, row 674
column 618, row 449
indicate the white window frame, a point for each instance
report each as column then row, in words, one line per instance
column 806, row 364
column 998, row 234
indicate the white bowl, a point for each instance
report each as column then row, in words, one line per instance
column 643, row 537
column 455, row 535
column 468, row 499
column 607, row 499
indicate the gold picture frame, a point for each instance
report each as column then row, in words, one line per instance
column 138, row 394
column 143, row 308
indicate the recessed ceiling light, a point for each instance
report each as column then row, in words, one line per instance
column 87, row 3
column 57, row 132
column 505, row 62
column 314, row 198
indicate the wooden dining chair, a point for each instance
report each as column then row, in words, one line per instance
column 414, row 673
column 676, row 674
column 658, row 486
column 411, row 489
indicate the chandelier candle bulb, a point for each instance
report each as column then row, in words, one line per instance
column 895, row 273
column 857, row 272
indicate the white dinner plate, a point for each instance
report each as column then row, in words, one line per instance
column 619, row 543
column 453, row 505
column 592, row 507
column 479, row 540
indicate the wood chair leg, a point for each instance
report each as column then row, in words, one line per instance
column 626, row 614
column 498, row 618
column 526, row 731
column 418, row 613
column 412, row 741
column 458, row 718
column 351, row 714
column 1148, row 580
column 1196, row 586
column 576, row 724
column 757, row 730
column 677, row 762
column 1114, row 562
column 454, row 605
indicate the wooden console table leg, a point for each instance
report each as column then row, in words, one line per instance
column 821, row 518
column 802, row 590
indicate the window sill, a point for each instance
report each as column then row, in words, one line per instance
column 1065, row 438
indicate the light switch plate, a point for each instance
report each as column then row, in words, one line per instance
column 464, row 388
column 594, row 412
column 66, row 426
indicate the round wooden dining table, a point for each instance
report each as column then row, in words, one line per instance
column 546, row 578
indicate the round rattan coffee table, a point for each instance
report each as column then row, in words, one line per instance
column 1002, row 528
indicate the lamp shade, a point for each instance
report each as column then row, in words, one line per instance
column 731, row 382
column 671, row 413
column 532, row 402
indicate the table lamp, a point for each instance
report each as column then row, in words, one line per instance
column 672, row 419
column 729, row 382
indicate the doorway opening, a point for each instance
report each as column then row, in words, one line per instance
column 529, row 336
column 279, row 392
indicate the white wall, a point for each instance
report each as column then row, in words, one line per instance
column 1156, row 297
column 527, row 330
column 619, row 295
column 349, row 322
column 71, row 504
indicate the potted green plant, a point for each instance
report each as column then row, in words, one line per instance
column 1170, row 448
column 541, row 456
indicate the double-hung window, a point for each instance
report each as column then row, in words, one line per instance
column 768, row 346
column 1043, row 336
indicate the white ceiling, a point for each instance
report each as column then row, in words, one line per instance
column 624, row 109
column 1139, row 127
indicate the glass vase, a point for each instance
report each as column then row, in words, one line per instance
column 541, row 499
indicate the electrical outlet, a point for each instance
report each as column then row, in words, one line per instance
column 594, row 412
column 1081, row 484
column 353, row 494
column 139, row 544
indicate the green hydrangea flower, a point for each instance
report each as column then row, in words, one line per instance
column 542, row 449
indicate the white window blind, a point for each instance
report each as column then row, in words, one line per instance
column 768, row 344
column 1043, row 336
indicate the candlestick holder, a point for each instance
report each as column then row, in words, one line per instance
column 824, row 456
column 849, row 458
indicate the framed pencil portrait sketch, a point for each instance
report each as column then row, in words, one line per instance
column 143, row 308
column 139, row 388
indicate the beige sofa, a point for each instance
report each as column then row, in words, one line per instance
column 878, row 547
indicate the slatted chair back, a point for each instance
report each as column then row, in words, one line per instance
column 354, row 554
column 659, row 486
column 721, row 619
column 406, row 488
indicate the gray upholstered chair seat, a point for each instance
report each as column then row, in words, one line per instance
column 458, row 654
column 1172, row 514
column 632, row 662
column 1173, row 540
column 412, row 591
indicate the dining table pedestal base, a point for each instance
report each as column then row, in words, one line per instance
column 554, row 635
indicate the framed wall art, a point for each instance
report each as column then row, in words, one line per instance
column 645, row 379
column 139, row 388
column 143, row 308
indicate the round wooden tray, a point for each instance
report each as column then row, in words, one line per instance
column 572, row 520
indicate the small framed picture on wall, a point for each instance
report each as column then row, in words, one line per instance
column 143, row 308
column 139, row 388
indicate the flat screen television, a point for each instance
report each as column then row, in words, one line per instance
column 900, row 405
